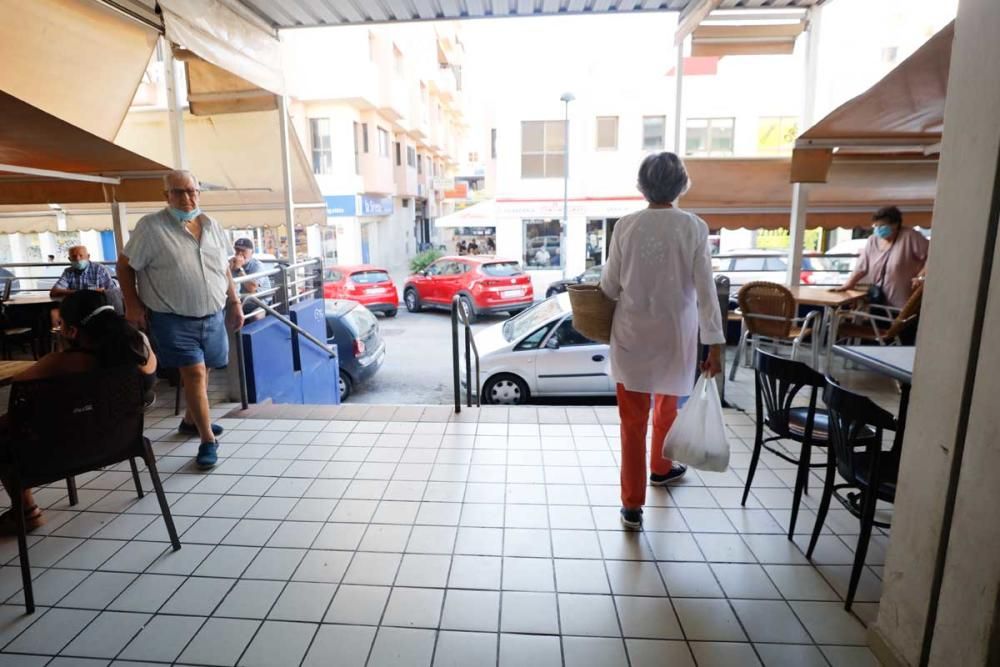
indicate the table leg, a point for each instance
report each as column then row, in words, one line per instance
column 822, row 340
column 904, row 404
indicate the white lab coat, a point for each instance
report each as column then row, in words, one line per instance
column 660, row 271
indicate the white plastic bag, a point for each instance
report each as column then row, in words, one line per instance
column 698, row 435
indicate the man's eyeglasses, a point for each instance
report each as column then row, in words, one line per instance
column 180, row 192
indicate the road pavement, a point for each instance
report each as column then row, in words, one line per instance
column 417, row 367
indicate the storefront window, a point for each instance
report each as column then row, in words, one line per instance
column 543, row 244
column 654, row 132
column 710, row 136
column 543, row 149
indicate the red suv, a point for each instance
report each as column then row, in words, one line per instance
column 368, row 285
column 485, row 285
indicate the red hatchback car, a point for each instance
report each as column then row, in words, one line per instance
column 368, row 285
column 485, row 284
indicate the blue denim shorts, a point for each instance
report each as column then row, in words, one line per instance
column 188, row 341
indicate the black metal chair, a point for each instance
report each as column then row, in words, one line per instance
column 855, row 451
column 777, row 382
column 69, row 425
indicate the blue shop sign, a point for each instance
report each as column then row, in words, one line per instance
column 340, row 206
column 376, row 205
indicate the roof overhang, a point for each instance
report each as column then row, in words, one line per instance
column 902, row 114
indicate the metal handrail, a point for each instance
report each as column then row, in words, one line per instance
column 471, row 351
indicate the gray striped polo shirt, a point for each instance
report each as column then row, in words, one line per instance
column 175, row 273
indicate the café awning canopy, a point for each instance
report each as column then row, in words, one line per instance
column 236, row 156
column 78, row 60
column 900, row 116
column 483, row 214
column 46, row 160
column 756, row 193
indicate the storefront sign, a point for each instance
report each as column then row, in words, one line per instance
column 339, row 206
column 372, row 205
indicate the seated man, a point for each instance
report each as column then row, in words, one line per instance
column 243, row 263
column 98, row 337
column 82, row 274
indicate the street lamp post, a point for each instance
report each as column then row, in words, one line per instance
column 566, row 98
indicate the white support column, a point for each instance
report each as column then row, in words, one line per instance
column 679, row 101
column 811, row 68
column 286, row 175
column 119, row 221
column 314, row 241
column 92, row 239
column 47, row 245
column 175, row 107
column 797, row 232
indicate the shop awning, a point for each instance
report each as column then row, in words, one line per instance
column 78, row 60
column 34, row 140
column 483, row 214
column 230, row 36
column 237, row 158
column 902, row 114
column 756, row 193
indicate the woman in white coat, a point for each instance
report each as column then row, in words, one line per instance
column 660, row 271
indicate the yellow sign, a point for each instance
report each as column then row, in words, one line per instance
column 778, row 239
column 776, row 134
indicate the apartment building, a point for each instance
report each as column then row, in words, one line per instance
column 380, row 111
column 623, row 108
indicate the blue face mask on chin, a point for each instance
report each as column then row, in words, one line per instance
column 184, row 216
column 884, row 231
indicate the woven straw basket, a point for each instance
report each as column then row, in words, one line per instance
column 592, row 312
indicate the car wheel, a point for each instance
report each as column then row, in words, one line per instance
column 390, row 313
column 551, row 293
column 346, row 386
column 412, row 301
column 465, row 303
column 505, row 389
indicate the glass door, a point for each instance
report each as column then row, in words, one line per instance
column 595, row 243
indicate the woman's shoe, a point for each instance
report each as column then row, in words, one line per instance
column 632, row 518
column 675, row 474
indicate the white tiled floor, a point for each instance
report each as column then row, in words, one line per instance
column 413, row 536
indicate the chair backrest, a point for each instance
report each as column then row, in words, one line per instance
column 777, row 381
column 775, row 302
column 854, row 419
column 70, row 424
column 908, row 313
column 8, row 285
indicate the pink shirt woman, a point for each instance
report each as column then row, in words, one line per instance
column 894, row 258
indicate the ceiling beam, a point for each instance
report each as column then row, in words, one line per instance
column 693, row 14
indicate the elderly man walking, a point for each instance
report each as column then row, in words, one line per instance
column 175, row 277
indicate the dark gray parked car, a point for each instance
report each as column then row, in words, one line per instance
column 355, row 331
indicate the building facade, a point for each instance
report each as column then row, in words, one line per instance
column 380, row 112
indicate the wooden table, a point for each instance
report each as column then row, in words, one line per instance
column 895, row 361
column 829, row 301
column 32, row 300
column 8, row 369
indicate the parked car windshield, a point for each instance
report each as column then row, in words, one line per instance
column 360, row 320
column 369, row 277
column 502, row 269
column 534, row 317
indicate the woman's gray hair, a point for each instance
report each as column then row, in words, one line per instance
column 663, row 178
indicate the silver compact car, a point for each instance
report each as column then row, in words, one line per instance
column 539, row 353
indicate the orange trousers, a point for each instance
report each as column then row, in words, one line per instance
column 633, row 408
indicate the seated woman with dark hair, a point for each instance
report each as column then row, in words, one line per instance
column 97, row 337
